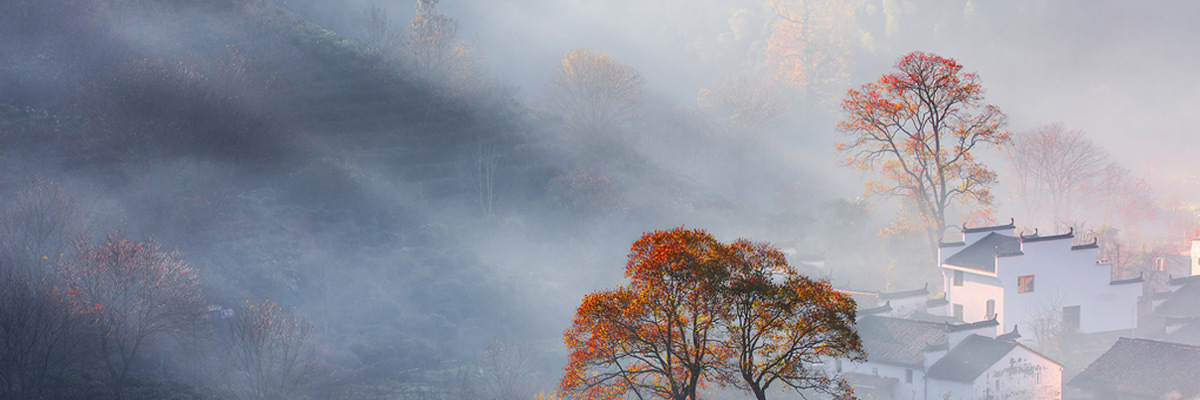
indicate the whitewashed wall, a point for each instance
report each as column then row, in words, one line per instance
column 1021, row 375
column 976, row 290
column 1195, row 256
column 1062, row 277
column 1065, row 277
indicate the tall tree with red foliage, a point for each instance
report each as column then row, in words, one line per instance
column 921, row 127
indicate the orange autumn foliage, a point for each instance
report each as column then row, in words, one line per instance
column 779, row 324
column 920, row 127
column 678, row 325
column 810, row 44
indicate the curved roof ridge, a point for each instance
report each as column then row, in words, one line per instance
column 1012, row 224
column 1036, row 238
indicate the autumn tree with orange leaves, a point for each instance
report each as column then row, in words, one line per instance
column 920, row 127
column 780, row 325
column 698, row 312
column 809, row 48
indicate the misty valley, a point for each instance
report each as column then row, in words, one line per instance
column 584, row 199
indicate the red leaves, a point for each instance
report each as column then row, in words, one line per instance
column 919, row 127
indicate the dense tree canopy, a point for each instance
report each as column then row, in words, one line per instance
column 698, row 312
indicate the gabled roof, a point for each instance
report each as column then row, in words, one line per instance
column 1140, row 278
column 1173, row 281
column 927, row 317
column 871, row 386
column 969, row 359
column 1012, row 224
column 1145, row 368
column 1037, row 238
column 981, row 255
column 1011, row 336
column 987, row 323
column 897, row 341
column 922, row 292
column 1181, row 302
column 886, row 307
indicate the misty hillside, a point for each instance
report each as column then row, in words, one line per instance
column 413, row 196
column 288, row 162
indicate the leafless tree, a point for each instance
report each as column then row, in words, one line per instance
column 270, row 352
column 378, row 34
column 138, row 292
column 38, row 222
column 506, row 368
column 44, row 333
column 1122, row 197
column 594, row 92
column 1063, row 165
column 1055, row 338
column 742, row 105
column 739, row 109
column 481, row 175
column 43, row 330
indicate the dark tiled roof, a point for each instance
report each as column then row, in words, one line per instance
column 898, row 341
column 1146, row 368
column 981, row 255
column 1180, row 321
column 951, row 244
column 907, row 293
column 927, row 317
column 1012, row 224
column 886, row 307
column 1173, row 281
column 1092, row 245
column 1035, row 238
column 972, row 326
column 1182, row 302
column 871, row 386
column 938, row 302
column 970, row 358
column 1140, row 278
column 1011, row 336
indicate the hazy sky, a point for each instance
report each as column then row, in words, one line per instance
column 1122, row 72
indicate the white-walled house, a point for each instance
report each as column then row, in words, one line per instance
column 985, row 368
column 901, row 353
column 995, row 273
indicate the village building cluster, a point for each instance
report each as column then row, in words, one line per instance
column 1006, row 294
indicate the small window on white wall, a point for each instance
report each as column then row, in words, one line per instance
column 1025, row 284
column 991, row 308
column 908, row 376
column 958, row 278
column 958, row 311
